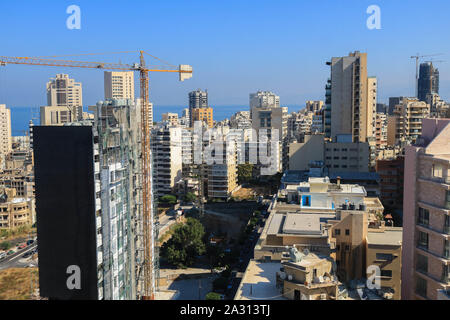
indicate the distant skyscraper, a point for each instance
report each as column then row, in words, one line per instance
column 63, row 91
column 198, row 99
column 119, row 85
column 5, row 133
column 352, row 95
column 428, row 80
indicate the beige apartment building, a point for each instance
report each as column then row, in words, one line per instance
column 353, row 97
column 63, row 91
column 171, row 118
column 381, row 130
column 119, row 85
column 222, row 178
column 203, row 114
column 14, row 212
column 346, row 156
column 5, row 133
column 59, row 115
column 384, row 249
column 426, row 214
column 308, row 276
column 406, row 122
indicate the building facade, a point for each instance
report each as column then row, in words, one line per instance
column 426, row 214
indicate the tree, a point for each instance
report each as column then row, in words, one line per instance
column 185, row 244
column 213, row 296
column 244, row 173
column 190, row 197
column 5, row 245
column 171, row 199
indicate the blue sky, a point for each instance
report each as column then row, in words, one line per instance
column 235, row 47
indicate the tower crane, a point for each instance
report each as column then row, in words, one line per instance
column 185, row 72
column 417, row 57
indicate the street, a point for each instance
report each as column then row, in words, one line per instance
column 16, row 260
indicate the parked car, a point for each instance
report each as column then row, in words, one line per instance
column 31, row 241
column 3, row 255
column 10, row 252
column 28, row 254
column 21, row 246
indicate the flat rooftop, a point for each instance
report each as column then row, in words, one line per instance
column 302, row 224
column 390, row 237
column 259, row 282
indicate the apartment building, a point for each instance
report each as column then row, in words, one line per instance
column 308, row 276
column 380, row 130
column 343, row 155
column 63, row 91
column 15, row 211
column 202, row 114
column 350, row 98
column 391, row 173
column 426, row 213
column 5, row 133
column 59, row 115
column 321, row 233
column 384, row 250
column 167, row 158
column 197, row 99
column 90, row 171
column 266, row 113
column 241, row 120
column 119, row 85
column 170, row 117
column 405, row 125
column 314, row 106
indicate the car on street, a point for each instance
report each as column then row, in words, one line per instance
column 10, row 252
column 21, row 246
column 28, row 254
column 31, row 241
column 3, row 255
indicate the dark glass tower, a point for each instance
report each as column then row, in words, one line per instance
column 428, row 80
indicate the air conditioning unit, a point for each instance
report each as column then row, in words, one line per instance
column 323, row 296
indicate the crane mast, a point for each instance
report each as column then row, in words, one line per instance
column 185, row 72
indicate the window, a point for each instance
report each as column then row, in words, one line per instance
column 421, row 287
column 447, row 200
column 347, row 232
column 386, row 273
column 422, row 263
column 446, row 249
column 384, row 256
column 446, row 273
column 347, row 247
column 424, row 217
column 423, row 240
column 437, row 171
column 447, row 224
column 306, row 201
column 337, row 232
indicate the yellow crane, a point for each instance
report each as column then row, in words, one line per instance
column 185, row 72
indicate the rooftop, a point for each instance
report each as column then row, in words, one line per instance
column 259, row 282
column 390, row 237
column 302, row 224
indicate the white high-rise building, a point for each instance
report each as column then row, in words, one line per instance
column 5, row 133
column 119, row 85
column 63, row 91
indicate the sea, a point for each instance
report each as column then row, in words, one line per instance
column 21, row 116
